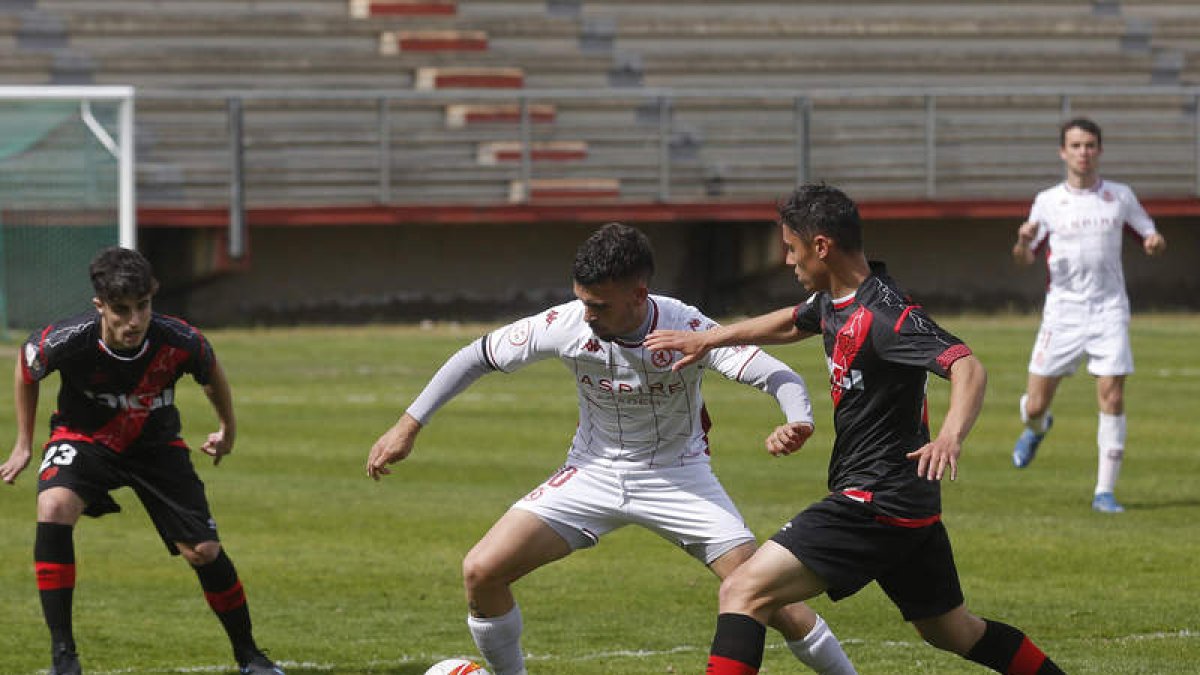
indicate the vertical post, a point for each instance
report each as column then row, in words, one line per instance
column 1064, row 107
column 664, row 149
column 126, row 180
column 930, row 146
column 385, row 151
column 237, row 187
column 1196, row 139
column 526, row 174
column 803, row 120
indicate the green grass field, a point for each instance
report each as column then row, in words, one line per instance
column 348, row 576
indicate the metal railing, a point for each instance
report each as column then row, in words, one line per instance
column 1159, row 109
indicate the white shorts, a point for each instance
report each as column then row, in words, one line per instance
column 1060, row 345
column 685, row 505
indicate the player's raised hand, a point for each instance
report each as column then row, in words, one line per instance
column 933, row 458
column 394, row 445
column 689, row 343
column 788, row 438
column 218, row 444
column 16, row 463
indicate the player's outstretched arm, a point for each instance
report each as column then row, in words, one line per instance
column 25, row 398
column 968, row 381
column 773, row 328
column 394, row 445
column 220, row 442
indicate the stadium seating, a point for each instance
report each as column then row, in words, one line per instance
column 459, row 146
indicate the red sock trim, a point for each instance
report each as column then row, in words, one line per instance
column 54, row 576
column 719, row 665
column 1027, row 660
column 226, row 600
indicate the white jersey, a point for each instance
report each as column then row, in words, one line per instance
column 1080, row 231
column 634, row 411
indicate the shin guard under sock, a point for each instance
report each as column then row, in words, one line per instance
column 1005, row 649
column 224, row 594
column 737, row 647
column 54, row 563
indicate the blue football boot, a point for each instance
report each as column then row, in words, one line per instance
column 1105, row 502
column 1027, row 445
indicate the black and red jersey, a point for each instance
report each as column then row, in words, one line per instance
column 880, row 347
column 114, row 398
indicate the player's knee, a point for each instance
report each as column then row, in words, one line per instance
column 59, row 505
column 478, row 571
column 199, row 555
column 737, row 595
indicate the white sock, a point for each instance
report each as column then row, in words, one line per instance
column 821, row 651
column 499, row 640
column 1035, row 424
column 1110, row 439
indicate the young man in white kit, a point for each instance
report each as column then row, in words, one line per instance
column 1077, row 225
column 640, row 453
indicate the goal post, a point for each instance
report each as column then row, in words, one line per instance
column 67, row 189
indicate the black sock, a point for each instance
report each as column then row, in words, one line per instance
column 737, row 647
column 1005, row 649
column 54, row 563
column 223, row 591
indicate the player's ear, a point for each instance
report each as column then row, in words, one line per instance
column 98, row 304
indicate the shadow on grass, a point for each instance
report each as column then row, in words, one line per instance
column 1159, row 506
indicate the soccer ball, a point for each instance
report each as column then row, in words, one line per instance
column 456, row 667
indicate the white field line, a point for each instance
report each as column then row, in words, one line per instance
column 1182, row 634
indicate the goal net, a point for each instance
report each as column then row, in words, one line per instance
column 66, row 191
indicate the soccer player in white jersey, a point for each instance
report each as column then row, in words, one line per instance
column 640, row 453
column 1078, row 225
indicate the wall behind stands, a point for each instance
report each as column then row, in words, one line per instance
column 362, row 273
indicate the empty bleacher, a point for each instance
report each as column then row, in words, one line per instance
column 462, row 141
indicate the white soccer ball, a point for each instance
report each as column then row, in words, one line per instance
column 456, row 667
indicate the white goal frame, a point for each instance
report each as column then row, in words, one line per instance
column 121, row 148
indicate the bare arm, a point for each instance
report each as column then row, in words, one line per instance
column 768, row 329
column 1022, row 251
column 220, row 442
column 25, row 398
column 968, row 381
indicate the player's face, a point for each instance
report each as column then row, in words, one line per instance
column 805, row 259
column 1081, row 153
column 613, row 308
column 123, row 321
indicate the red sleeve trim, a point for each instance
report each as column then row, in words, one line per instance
column 948, row 357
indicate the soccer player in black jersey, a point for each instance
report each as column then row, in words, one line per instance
column 117, row 425
column 882, row 518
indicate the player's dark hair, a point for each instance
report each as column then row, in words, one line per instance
column 1079, row 123
column 121, row 273
column 817, row 208
column 615, row 252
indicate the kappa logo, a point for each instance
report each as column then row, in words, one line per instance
column 31, row 353
column 551, row 316
column 1107, row 196
column 661, row 358
column 519, row 334
column 592, row 345
column 694, row 324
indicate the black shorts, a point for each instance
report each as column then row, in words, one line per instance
column 162, row 476
column 847, row 547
